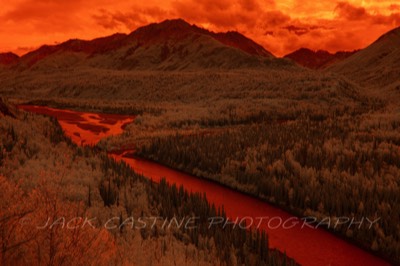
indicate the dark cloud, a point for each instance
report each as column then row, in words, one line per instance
column 130, row 20
column 318, row 27
column 106, row 20
column 210, row 5
column 116, row 20
column 249, row 5
column 297, row 30
column 274, row 18
column 31, row 9
column 392, row 19
column 220, row 14
column 300, row 29
column 394, row 7
column 47, row 15
column 350, row 12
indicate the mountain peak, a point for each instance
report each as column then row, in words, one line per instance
column 166, row 25
column 163, row 31
column 178, row 29
column 174, row 23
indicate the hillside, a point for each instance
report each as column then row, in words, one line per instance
column 5, row 110
column 317, row 59
column 7, row 59
column 169, row 45
column 378, row 65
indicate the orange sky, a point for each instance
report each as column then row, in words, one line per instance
column 280, row 26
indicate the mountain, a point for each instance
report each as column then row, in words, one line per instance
column 317, row 59
column 179, row 29
column 169, row 45
column 378, row 65
column 72, row 51
column 8, row 59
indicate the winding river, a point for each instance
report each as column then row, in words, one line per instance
column 308, row 246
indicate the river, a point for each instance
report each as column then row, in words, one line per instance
column 308, row 246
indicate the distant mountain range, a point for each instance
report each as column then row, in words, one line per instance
column 169, row 45
column 317, row 59
column 376, row 66
column 177, row 45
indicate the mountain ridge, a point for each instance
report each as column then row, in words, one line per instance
column 169, row 45
column 377, row 65
column 317, row 59
column 177, row 45
column 8, row 58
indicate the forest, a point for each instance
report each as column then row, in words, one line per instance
column 309, row 167
column 46, row 177
column 304, row 142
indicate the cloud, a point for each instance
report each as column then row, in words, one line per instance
column 394, row 7
column 249, row 5
column 118, row 20
column 275, row 18
column 129, row 20
column 47, row 16
column 350, row 12
column 220, row 14
column 392, row 19
column 30, row 9
column 297, row 30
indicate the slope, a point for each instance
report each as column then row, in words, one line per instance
column 377, row 66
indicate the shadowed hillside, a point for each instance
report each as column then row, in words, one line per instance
column 4, row 109
column 378, row 65
column 7, row 59
column 317, row 59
